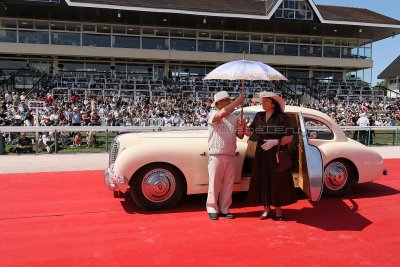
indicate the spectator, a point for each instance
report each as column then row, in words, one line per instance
column 91, row 139
column 363, row 122
column 24, row 144
column 8, row 97
column 77, row 139
column 371, row 132
column 86, row 118
column 46, row 142
column 76, row 117
column 73, row 98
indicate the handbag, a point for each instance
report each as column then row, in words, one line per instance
column 283, row 159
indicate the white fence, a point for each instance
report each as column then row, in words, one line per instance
column 376, row 135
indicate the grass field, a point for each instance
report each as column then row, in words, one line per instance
column 102, row 144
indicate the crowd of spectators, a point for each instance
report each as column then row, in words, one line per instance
column 165, row 111
column 173, row 110
column 348, row 113
column 110, row 111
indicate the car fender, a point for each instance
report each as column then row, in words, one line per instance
column 132, row 158
column 368, row 162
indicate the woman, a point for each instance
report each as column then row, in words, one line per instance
column 268, row 186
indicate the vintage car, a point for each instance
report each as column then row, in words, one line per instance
column 158, row 168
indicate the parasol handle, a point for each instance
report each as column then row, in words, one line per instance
column 241, row 110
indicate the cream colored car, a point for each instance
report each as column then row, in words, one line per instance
column 158, row 168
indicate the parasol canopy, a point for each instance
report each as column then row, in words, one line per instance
column 245, row 70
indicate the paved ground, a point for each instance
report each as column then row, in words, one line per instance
column 53, row 162
column 92, row 161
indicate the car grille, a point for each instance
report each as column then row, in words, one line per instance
column 113, row 151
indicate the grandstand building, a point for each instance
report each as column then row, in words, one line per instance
column 392, row 75
column 187, row 39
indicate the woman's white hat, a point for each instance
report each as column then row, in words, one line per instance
column 220, row 96
column 272, row 95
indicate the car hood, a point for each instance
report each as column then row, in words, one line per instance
column 175, row 134
column 136, row 138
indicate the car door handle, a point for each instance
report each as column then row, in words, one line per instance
column 203, row 154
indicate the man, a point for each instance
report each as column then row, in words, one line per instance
column 223, row 126
column 24, row 144
column 76, row 117
column 363, row 121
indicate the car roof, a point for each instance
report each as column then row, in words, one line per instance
column 294, row 109
column 340, row 135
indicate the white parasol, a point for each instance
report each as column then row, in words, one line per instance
column 245, row 70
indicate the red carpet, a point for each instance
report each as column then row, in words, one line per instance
column 71, row 219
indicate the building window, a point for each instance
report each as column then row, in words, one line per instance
column 34, row 37
column 331, row 51
column 8, row 36
column 155, row 43
column 65, row 38
column 126, row 41
column 209, row 46
column 295, row 9
column 96, row 40
column 183, row 44
column 236, row 47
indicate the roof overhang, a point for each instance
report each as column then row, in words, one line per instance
column 160, row 10
column 232, row 15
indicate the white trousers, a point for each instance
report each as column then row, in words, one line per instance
column 221, row 173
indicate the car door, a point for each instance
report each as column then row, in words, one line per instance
column 199, row 149
column 310, row 165
column 200, row 161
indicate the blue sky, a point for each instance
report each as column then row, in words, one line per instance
column 384, row 51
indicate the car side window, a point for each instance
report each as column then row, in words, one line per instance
column 317, row 129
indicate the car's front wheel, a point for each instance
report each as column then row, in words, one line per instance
column 157, row 186
column 339, row 176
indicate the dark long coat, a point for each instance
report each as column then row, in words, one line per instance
column 267, row 186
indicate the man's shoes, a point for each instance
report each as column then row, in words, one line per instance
column 228, row 215
column 213, row 216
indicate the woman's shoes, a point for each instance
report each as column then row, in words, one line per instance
column 278, row 216
column 266, row 214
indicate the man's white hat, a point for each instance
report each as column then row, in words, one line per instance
column 220, row 96
column 272, row 95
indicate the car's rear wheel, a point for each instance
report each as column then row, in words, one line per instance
column 157, row 186
column 339, row 176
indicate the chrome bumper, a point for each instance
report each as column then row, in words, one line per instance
column 115, row 182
